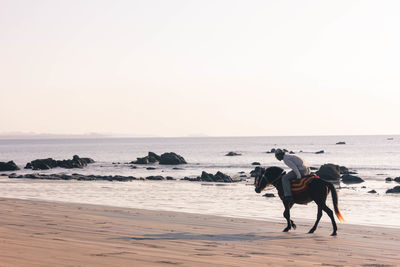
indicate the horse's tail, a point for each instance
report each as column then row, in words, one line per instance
column 335, row 200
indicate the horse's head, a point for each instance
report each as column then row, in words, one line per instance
column 266, row 177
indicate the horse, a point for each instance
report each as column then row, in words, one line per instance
column 316, row 190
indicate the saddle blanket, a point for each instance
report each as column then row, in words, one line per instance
column 299, row 186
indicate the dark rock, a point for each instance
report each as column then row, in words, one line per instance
column 395, row 189
column 144, row 160
column 320, row 152
column 221, row 177
column 344, row 170
column 372, row 192
column 397, row 179
column 8, row 166
column 41, row 164
column 169, row 178
column 341, row 143
column 154, row 156
column 255, row 163
column 329, row 172
column 271, row 151
column 218, row 177
column 291, row 152
column 388, row 179
column 230, row 154
column 45, row 164
column 74, row 176
column 197, row 179
column 151, row 168
column 351, row 179
column 241, row 172
column 175, row 168
column 313, row 168
column 207, row 177
column 268, row 195
column 156, row 178
column 243, row 176
column 171, row 159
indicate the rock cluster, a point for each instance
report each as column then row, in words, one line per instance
column 208, row 177
column 45, row 164
column 81, row 177
column 8, row 166
column 170, row 158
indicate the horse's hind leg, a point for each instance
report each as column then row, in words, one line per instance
column 330, row 214
column 319, row 215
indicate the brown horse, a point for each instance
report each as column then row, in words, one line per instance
column 316, row 190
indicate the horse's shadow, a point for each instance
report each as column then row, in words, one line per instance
column 214, row 237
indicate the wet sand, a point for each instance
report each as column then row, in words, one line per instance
column 38, row 233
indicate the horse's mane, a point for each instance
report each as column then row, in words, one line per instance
column 273, row 172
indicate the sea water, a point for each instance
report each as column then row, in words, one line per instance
column 374, row 158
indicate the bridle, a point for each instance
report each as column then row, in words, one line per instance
column 268, row 183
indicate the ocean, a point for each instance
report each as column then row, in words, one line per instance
column 374, row 158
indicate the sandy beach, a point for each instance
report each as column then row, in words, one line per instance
column 38, row 233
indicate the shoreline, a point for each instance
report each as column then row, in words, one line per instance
column 45, row 233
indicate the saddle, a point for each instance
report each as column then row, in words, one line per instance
column 299, row 186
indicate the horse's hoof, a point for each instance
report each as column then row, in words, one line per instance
column 294, row 226
column 333, row 234
column 286, row 230
column 311, row 231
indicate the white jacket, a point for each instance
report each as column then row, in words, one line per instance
column 297, row 164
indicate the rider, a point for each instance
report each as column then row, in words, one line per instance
column 299, row 169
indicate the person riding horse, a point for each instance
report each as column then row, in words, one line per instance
column 299, row 169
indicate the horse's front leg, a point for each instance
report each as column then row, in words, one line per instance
column 286, row 214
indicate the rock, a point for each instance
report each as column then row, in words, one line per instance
column 221, row 177
column 144, row 160
column 397, row 179
column 171, row 159
column 45, row 164
column 372, row 192
column 218, row 177
column 268, row 195
column 271, row 151
column 395, row 189
column 313, row 168
column 74, row 176
column 155, row 178
column 151, row 168
column 291, row 152
column 8, row 166
column 329, row 172
column 351, row 179
column 255, row 163
column 230, row 154
column 154, row 156
column 197, row 179
column 344, row 170
column 320, row 152
column 169, row 178
column 341, row 143
column 388, row 179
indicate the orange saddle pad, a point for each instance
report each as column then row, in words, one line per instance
column 299, row 186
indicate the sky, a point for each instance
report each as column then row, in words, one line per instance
column 183, row 68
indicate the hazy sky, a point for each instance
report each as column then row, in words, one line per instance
column 223, row 68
